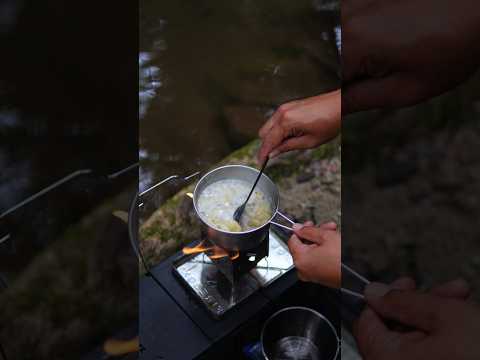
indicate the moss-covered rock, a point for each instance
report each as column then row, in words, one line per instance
column 76, row 293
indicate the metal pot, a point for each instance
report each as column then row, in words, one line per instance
column 299, row 333
column 244, row 240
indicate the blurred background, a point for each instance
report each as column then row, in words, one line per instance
column 411, row 188
column 68, row 101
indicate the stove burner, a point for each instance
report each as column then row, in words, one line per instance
column 234, row 268
column 212, row 283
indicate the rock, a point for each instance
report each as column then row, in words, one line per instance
column 418, row 189
column 304, row 177
column 447, row 182
column 335, row 189
column 476, row 261
column 464, row 201
column 326, row 5
column 93, row 257
column 476, row 106
column 396, row 169
column 186, row 211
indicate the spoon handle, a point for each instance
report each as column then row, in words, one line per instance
column 258, row 178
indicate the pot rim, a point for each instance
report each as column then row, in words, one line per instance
column 274, row 212
column 316, row 313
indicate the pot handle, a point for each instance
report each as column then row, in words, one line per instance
column 283, row 226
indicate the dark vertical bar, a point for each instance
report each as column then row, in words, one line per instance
column 68, row 154
column 410, row 169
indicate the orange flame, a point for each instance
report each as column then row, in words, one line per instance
column 116, row 347
column 217, row 253
column 200, row 248
column 213, row 252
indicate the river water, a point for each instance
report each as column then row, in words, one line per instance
column 212, row 71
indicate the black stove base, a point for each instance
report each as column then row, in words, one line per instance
column 175, row 325
column 219, row 293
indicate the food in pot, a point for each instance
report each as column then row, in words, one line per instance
column 218, row 202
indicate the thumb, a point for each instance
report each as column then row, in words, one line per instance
column 456, row 289
column 414, row 309
column 296, row 246
column 311, row 233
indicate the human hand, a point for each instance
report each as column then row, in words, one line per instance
column 318, row 261
column 443, row 325
column 396, row 53
column 301, row 124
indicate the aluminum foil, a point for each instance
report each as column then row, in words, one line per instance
column 217, row 293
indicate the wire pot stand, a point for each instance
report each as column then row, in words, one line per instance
column 66, row 179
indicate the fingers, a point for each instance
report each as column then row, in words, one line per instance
column 310, row 233
column 272, row 132
column 303, row 142
column 268, row 125
column 404, row 283
column 300, row 253
column 296, row 246
column 373, row 337
column 277, row 115
column 375, row 340
column 458, row 289
column 274, row 138
column 410, row 308
column 327, row 226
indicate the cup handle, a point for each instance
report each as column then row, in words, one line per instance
column 288, row 228
column 280, row 225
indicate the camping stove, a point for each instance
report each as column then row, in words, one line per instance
column 233, row 265
column 222, row 282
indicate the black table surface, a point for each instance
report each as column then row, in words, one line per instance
column 175, row 325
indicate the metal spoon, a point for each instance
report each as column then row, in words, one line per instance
column 237, row 215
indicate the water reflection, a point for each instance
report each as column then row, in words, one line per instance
column 211, row 73
column 149, row 82
column 9, row 10
column 8, row 119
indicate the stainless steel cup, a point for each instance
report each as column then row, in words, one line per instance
column 244, row 240
column 299, row 333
